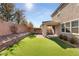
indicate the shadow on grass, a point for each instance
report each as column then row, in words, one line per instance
column 61, row 43
column 32, row 36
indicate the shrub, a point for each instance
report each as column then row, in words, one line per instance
column 63, row 37
column 74, row 40
column 32, row 35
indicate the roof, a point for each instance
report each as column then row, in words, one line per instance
column 49, row 23
column 45, row 22
column 61, row 6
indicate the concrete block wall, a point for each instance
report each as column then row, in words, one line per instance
column 5, row 28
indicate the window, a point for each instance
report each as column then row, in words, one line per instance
column 74, row 30
column 68, row 24
column 75, row 23
column 68, row 27
column 63, row 28
column 74, row 26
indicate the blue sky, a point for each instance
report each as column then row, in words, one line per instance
column 38, row 12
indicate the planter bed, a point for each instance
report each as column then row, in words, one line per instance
column 10, row 40
column 69, row 43
column 62, row 43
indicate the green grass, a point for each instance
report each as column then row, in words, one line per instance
column 40, row 47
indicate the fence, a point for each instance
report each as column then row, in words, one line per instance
column 5, row 28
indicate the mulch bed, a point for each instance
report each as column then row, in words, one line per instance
column 9, row 40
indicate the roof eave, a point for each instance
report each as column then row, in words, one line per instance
column 61, row 6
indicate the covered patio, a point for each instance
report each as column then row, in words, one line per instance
column 49, row 28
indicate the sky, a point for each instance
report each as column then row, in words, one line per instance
column 37, row 12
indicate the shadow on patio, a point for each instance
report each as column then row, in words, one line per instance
column 61, row 43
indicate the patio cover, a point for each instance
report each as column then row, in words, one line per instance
column 53, row 23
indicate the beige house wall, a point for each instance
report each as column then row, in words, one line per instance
column 57, row 29
column 44, row 30
column 47, row 30
column 68, row 13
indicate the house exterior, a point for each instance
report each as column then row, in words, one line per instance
column 67, row 15
column 47, row 28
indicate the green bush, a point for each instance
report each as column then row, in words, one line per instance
column 63, row 37
column 32, row 35
column 74, row 40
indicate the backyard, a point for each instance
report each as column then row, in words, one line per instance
column 38, row 46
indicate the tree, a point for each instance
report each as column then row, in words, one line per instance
column 7, row 13
column 30, row 24
column 6, row 10
column 18, row 15
column 24, row 21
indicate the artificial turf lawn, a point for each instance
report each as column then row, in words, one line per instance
column 39, row 47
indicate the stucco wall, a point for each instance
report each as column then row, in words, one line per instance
column 5, row 28
column 44, row 30
column 21, row 28
column 57, row 30
column 68, row 13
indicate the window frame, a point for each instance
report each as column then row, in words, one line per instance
column 67, row 27
column 71, row 26
column 62, row 28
